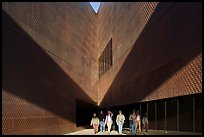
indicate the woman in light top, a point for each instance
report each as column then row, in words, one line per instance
column 138, row 121
column 95, row 123
column 109, row 120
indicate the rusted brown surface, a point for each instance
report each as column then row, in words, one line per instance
column 50, row 57
column 156, row 53
column 48, row 53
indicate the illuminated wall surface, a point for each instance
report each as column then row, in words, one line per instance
column 50, row 63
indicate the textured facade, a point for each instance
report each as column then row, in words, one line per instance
column 48, row 53
column 157, row 62
column 50, row 68
column 156, row 51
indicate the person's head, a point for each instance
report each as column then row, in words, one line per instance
column 137, row 112
column 120, row 112
column 101, row 112
column 94, row 114
column 145, row 113
column 109, row 112
column 133, row 111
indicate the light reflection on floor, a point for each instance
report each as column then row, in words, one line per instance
column 91, row 132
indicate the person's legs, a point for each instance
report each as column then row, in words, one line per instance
column 134, row 128
column 143, row 126
column 146, row 127
column 109, row 126
column 130, row 127
column 119, row 127
column 139, row 126
column 94, row 127
column 103, row 126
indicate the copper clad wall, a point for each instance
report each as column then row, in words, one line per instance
column 48, row 57
column 156, row 51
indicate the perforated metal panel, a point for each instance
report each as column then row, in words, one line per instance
column 186, row 114
column 151, row 115
column 56, row 32
column 61, row 36
column 172, row 114
column 198, row 113
column 160, row 115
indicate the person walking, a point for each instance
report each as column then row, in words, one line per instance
column 130, row 121
column 102, row 118
column 138, row 121
column 120, row 119
column 134, row 123
column 109, row 121
column 145, row 122
column 95, row 123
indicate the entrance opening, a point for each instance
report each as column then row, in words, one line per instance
column 84, row 112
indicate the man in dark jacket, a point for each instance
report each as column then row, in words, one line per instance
column 102, row 118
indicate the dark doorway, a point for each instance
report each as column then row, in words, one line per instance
column 84, row 112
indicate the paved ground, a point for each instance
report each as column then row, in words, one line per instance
column 161, row 132
column 164, row 132
column 127, row 132
column 91, row 132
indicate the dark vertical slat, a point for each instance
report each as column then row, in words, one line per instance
column 165, row 114
column 193, row 113
column 147, row 110
column 140, row 110
column 177, row 113
column 155, row 115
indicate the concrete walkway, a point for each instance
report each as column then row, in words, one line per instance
column 164, row 132
column 159, row 132
column 127, row 132
column 91, row 132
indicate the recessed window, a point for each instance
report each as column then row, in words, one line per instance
column 106, row 59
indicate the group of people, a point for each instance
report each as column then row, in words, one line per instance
column 135, row 122
column 104, row 120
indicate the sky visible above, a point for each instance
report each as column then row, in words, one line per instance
column 95, row 5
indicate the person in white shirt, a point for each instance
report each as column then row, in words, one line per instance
column 109, row 120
